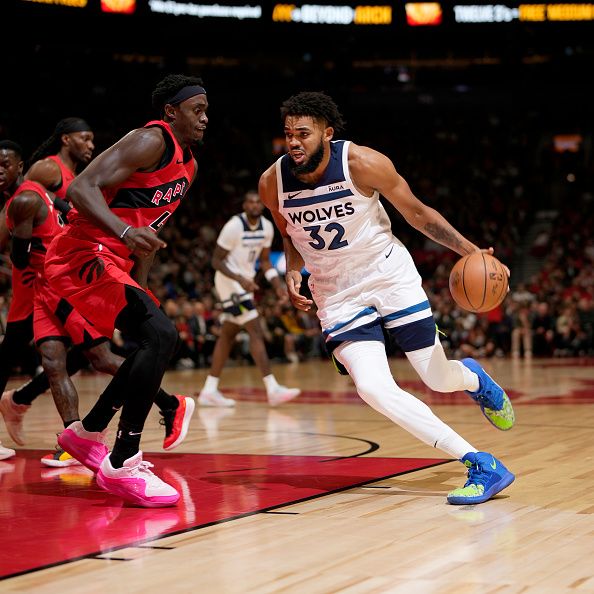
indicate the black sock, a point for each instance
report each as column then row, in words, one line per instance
column 166, row 401
column 100, row 415
column 108, row 403
column 27, row 393
column 66, row 423
column 127, row 444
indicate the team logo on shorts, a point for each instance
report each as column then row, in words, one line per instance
column 91, row 270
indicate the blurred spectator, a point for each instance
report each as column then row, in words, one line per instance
column 543, row 330
column 521, row 334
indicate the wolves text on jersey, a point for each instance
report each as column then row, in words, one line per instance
column 323, row 213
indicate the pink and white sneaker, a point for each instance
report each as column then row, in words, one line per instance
column 88, row 447
column 6, row 453
column 135, row 482
column 13, row 414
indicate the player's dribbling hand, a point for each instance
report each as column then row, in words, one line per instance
column 142, row 241
column 491, row 252
column 293, row 279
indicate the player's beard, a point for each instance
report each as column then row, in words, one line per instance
column 310, row 165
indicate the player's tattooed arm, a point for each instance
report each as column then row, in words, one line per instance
column 373, row 170
column 447, row 236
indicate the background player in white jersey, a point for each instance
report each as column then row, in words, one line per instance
column 244, row 238
column 324, row 196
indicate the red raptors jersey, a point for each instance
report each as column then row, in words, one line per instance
column 42, row 233
column 145, row 199
column 67, row 177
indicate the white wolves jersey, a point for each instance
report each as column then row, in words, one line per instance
column 362, row 278
column 334, row 227
column 245, row 243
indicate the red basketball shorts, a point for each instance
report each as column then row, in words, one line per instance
column 91, row 278
column 21, row 304
column 55, row 319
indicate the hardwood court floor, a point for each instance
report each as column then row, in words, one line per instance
column 320, row 495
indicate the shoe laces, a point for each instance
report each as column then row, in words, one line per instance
column 490, row 397
column 477, row 475
column 142, row 467
column 143, row 471
column 168, row 416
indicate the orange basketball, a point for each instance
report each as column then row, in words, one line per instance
column 478, row 282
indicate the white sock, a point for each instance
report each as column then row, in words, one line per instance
column 211, row 384
column 441, row 374
column 455, row 445
column 270, row 383
column 367, row 365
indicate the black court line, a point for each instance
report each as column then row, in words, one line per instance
column 375, row 487
column 372, row 446
column 237, row 469
column 281, row 513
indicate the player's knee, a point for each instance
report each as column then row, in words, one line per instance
column 104, row 362
column 436, row 384
column 448, row 379
column 168, row 337
column 53, row 361
column 370, row 388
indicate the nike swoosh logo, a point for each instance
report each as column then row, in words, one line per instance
column 388, row 254
column 493, row 464
column 179, row 161
column 290, row 196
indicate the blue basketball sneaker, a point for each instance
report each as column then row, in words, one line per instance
column 494, row 402
column 487, row 476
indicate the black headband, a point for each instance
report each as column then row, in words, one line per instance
column 185, row 93
column 75, row 125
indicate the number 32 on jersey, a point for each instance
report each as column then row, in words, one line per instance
column 331, row 235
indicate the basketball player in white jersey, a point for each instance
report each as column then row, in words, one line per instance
column 245, row 238
column 324, row 197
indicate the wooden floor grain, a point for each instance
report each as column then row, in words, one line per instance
column 537, row 537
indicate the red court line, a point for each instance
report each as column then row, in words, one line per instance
column 583, row 395
column 52, row 516
column 417, row 388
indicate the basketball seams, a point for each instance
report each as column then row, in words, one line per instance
column 473, row 293
column 504, row 284
column 462, row 279
column 485, row 276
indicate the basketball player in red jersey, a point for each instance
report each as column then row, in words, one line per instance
column 19, row 325
column 120, row 201
column 34, row 222
column 55, row 163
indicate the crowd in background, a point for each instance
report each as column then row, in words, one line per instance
column 488, row 165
